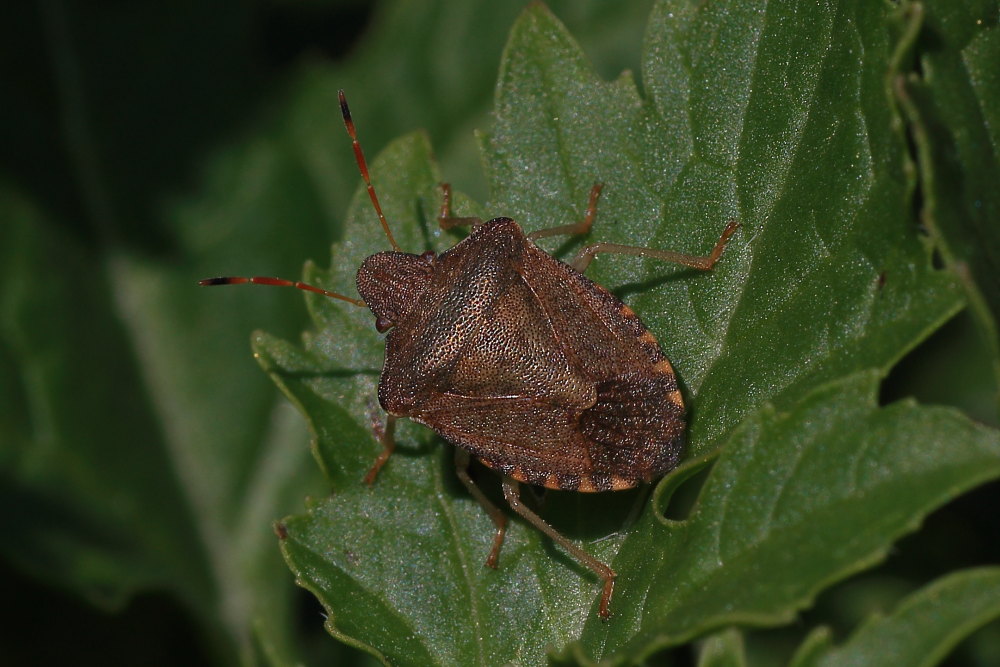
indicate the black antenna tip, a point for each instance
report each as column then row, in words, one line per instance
column 343, row 106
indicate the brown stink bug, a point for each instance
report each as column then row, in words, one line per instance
column 521, row 361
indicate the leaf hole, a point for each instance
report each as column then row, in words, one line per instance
column 677, row 495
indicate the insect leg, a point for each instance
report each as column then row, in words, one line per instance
column 703, row 263
column 581, row 227
column 512, row 492
column 386, row 436
column 499, row 518
column 445, row 218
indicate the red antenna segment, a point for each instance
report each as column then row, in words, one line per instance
column 363, row 167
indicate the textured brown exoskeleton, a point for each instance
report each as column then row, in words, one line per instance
column 521, row 361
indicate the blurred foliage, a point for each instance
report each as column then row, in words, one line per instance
column 144, row 456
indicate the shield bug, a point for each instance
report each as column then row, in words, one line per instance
column 520, row 361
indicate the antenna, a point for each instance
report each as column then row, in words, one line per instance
column 363, row 167
column 298, row 284
column 278, row 282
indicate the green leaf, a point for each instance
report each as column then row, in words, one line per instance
column 921, row 630
column 777, row 116
column 816, row 179
column 751, row 553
